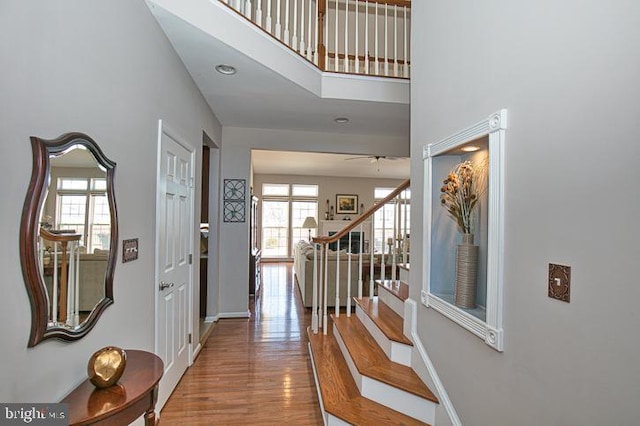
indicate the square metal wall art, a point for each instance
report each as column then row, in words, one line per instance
column 234, row 206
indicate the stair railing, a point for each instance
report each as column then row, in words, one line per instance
column 370, row 37
column 320, row 292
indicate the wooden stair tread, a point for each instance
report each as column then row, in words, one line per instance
column 398, row 288
column 388, row 322
column 371, row 361
column 340, row 395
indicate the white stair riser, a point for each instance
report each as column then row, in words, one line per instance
column 399, row 400
column 403, row 275
column 325, row 415
column 390, row 300
column 396, row 352
column 334, row 421
column 389, row 396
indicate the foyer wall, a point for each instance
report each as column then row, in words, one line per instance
column 236, row 163
column 106, row 69
column 568, row 74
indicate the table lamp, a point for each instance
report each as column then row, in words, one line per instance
column 309, row 223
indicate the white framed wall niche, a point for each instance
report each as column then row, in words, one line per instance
column 481, row 144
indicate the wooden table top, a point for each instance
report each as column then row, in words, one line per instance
column 90, row 404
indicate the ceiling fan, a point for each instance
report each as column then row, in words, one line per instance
column 372, row 159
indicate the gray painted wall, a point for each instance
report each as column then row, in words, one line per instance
column 106, row 69
column 236, row 163
column 568, row 73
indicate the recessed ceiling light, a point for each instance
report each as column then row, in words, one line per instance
column 225, row 69
column 470, row 148
column 341, row 120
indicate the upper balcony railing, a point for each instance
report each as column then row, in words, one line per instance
column 370, row 37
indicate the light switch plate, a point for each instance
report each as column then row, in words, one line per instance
column 129, row 250
column 559, row 282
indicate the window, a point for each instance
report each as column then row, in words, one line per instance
column 275, row 223
column 284, row 209
column 82, row 206
column 393, row 215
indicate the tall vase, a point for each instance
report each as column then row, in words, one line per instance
column 466, row 272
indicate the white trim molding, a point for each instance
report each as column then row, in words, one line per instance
column 490, row 330
column 441, row 392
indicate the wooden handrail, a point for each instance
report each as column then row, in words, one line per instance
column 371, row 58
column 60, row 236
column 406, row 3
column 367, row 214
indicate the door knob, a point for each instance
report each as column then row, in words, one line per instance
column 164, row 285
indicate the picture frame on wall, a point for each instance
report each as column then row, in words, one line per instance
column 346, row 204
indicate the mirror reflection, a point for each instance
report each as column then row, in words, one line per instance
column 68, row 237
column 74, row 236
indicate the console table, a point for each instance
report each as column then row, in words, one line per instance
column 135, row 394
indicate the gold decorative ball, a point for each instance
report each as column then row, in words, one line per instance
column 106, row 366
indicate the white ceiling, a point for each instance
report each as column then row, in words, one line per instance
column 320, row 164
column 258, row 97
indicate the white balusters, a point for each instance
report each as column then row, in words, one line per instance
column 278, row 28
column 302, row 46
column 336, row 60
column 366, row 37
column 314, row 293
column 360, row 256
column 395, row 40
column 357, row 34
column 337, row 302
column 372, row 260
column 299, row 27
column 286, row 23
column 405, row 68
column 294, row 37
column 326, row 36
column 315, row 30
column 54, row 300
column 268, row 21
column 348, row 301
column 325, row 287
column 309, row 39
column 386, row 41
column 259, row 13
column 375, row 39
column 394, row 252
column 346, row 35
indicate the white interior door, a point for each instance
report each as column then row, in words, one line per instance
column 173, row 264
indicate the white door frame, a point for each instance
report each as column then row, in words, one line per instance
column 163, row 128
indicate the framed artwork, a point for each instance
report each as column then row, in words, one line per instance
column 234, row 200
column 346, row 204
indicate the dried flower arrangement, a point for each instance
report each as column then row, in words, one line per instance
column 461, row 191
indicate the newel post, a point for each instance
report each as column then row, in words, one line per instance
column 322, row 8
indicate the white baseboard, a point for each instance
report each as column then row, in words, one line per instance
column 246, row 314
column 214, row 318
column 196, row 351
column 441, row 392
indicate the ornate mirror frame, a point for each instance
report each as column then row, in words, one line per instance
column 29, row 234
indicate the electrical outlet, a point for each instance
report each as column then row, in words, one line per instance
column 559, row 282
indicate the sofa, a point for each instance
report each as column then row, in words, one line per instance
column 303, row 269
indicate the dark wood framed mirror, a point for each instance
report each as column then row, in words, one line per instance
column 68, row 237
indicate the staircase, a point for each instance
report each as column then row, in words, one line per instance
column 362, row 362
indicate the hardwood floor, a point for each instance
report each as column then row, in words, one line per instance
column 253, row 371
